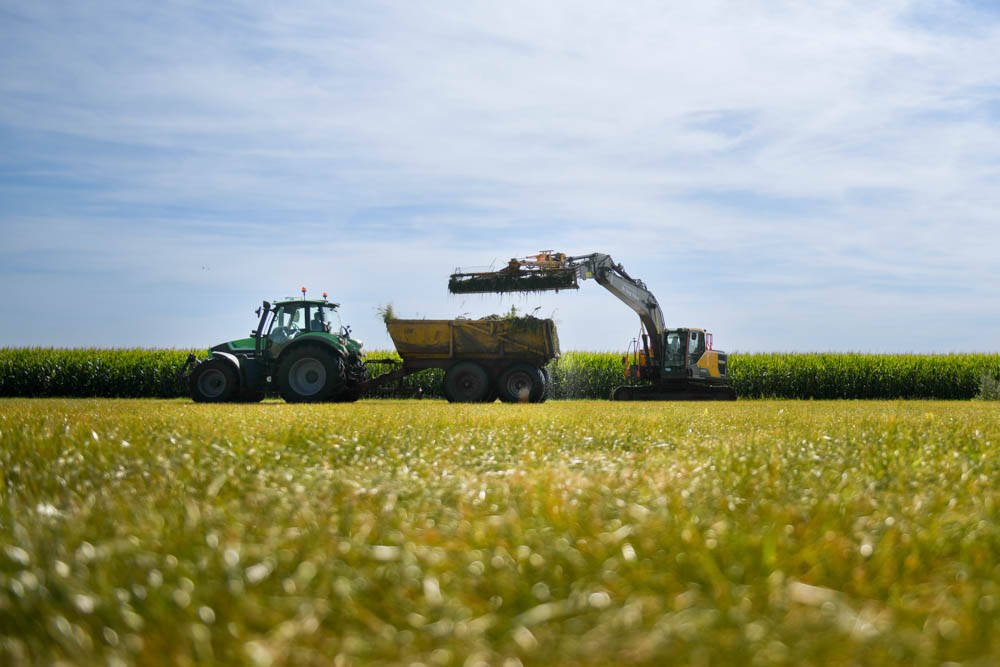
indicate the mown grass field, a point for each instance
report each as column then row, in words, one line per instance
column 585, row 532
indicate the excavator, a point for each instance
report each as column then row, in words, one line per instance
column 668, row 364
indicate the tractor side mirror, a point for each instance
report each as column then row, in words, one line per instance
column 624, row 359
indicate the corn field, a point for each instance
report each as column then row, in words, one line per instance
column 861, row 376
column 37, row 372
column 45, row 372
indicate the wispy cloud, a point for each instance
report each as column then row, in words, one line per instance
column 772, row 170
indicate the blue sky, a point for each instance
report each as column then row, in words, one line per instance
column 792, row 176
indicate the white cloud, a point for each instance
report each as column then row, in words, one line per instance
column 727, row 153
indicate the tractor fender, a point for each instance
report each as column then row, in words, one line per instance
column 231, row 358
column 338, row 348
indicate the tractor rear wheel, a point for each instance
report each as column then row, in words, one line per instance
column 214, row 381
column 521, row 383
column 466, row 382
column 309, row 374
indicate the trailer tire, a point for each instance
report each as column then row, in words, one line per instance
column 309, row 374
column 547, row 391
column 521, row 383
column 214, row 381
column 466, row 382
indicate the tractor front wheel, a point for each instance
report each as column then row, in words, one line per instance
column 214, row 381
column 309, row 374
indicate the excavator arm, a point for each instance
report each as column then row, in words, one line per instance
column 631, row 291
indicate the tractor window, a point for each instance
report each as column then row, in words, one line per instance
column 673, row 349
column 291, row 317
column 321, row 318
column 289, row 320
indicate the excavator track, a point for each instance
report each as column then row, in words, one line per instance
column 686, row 391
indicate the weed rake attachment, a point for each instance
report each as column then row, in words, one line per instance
column 543, row 272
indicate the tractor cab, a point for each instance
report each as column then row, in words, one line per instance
column 288, row 320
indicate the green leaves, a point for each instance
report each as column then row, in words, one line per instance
column 859, row 376
column 36, row 372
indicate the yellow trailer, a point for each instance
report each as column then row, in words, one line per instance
column 483, row 359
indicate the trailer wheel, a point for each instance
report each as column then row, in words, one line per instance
column 521, row 383
column 466, row 382
column 547, row 390
column 309, row 374
column 214, row 381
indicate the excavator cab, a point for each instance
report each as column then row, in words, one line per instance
column 683, row 351
column 688, row 353
column 685, row 367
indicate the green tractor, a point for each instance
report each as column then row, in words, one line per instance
column 293, row 352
